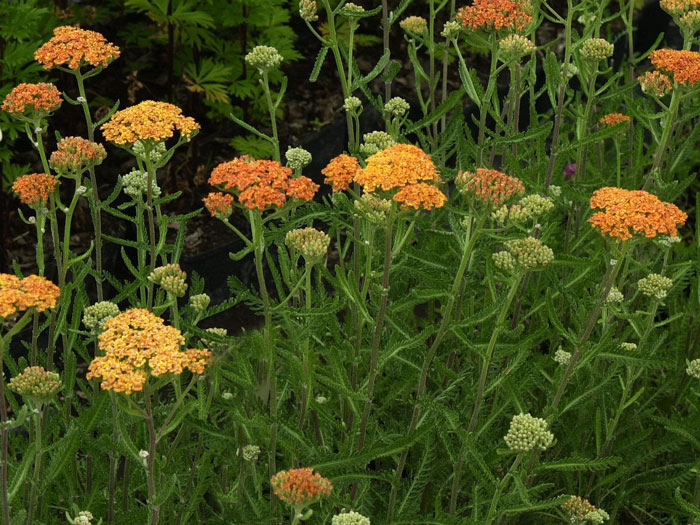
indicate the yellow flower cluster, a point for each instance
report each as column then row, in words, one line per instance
column 137, row 343
column 148, row 120
column 18, row 295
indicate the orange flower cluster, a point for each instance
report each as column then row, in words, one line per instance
column 138, row 344
column 420, row 196
column 490, row 185
column 628, row 212
column 511, row 15
column 18, row 295
column 148, row 120
column 300, row 486
column 74, row 47
column 35, row 189
column 683, row 66
column 27, row 99
column 613, row 119
column 678, row 7
column 341, row 171
column 261, row 184
column 220, row 205
column 655, row 83
column 75, row 154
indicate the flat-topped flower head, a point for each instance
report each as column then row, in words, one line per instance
column 341, row 171
column 220, row 205
column 36, row 384
column 135, row 184
column 395, row 167
column 678, row 7
column 396, row 107
column 148, row 121
column 30, row 101
column 630, row 212
column 581, row 510
column 136, row 344
column 373, row 208
column 689, row 22
column 693, row 369
column 264, row 58
column 308, row 10
column 528, row 433
column 508, row 15
column 490, row 186
column 171, row 278
column 300, row 487
column 420, row 196
column 655, row 83
column 350, row 518
column 311, row 243
column 95, row 316
column 75, row 154
column 682, row 66
column 596, row 49
column 375, row 142
column 35, row 189
column 414, row 25
column 32, row 292
column 261, row 184
column 526, row 254
column 614, row 119
column 655, row 285
column 298, row 158
column 74, row 48
column 514, row 47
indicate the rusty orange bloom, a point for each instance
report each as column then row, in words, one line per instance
column 138, row 344
column 35, row 189
column 420, row 196
column 395, row 167
column 75, row 154
column 260, row 184
column 511, row 15
column 299, row 487
column 341, row 171
column 32, row 100
column 683, row 66
column 655, row 83
column 678, row 7
column 490, row 185
column 74, row 48
column 32, row 292
column 148, row 120
column 629, row 212
column 613, row 119
column 220, row 205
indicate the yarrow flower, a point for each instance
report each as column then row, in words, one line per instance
column 352, row 104
column 350, row 518
column 74, row 48
column 200, row 302
column 629, row 212
column 527, row 254
column 298, row 158
column 562, row 357
column 260, row 184
column 84, row 517
column 32, row 292
column 414, row 25
column 628, row 347
column 75, row 154
column 35, row 189
column 36, row 384
column 613, row 119
column 614, row 296
column 655, row 285
column 681, row 65
column 678, row 7
column 215, row 345
column 96, row 315
column 375, row 141
column 528, row 433
column 311, row 243
column 264, row 58
column 373, row 208
column 300, row 487
column 510, row 15
column 171, row 278
column 396, row 107
column 341, row 171
column 220, row 205
column 308, row 10
column 137, row 344
column 581, row 510
column 420, row 196
column 693, row 369
column 596, row 49
column 530, row 207
column 514, row 47
column 250, row 453
column 29, row 101
column 135, row 184
column 395, row 167
column 451, row 30
column 490, row 186
column 352, row 10
column 655, row 83
column 148, row 121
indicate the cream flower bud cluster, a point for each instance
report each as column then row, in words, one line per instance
column 311, row 243
column 171, row 278
column 36, row 383
column 396, row 107
column 135, row 183
column 562, row 357
column 655, row 285
column 200, row 302
column 211, row 344
column 614, row 296
column 374, row 208
column 528, row 433
column 264, row 58
column 308, row 10
column 414, row 25
column 596, row 49
column 693, row 369
column 514, row 47
column 375, row 142
column 96, row 315
column 352, row 104
column 350, row 518
column 298, row 158
column 250, row 453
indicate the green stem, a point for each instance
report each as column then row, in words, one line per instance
column 38, row 454
column 307, row 366
column 486, row 101
column 445, row 65
column 151, row 223
column 150, row 461
column 273, row 117
column 501, row 487
column 663, row 143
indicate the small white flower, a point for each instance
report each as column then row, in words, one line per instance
column 80, row 190
column 82, row 100
column 32, row 219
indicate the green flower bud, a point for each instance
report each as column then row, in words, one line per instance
column 156, row 154
column 528, row 433
column 264, row 58
column 250, row 453
column 216, row 346
column 414, row 25
column 36, row 384
column 396, row 107
column 298, row 158
column 530, row 253
column 374, row 208
column 95, row 316
column 352, row 10
column 655, row 285
column 349, row 518
column 514, row 47
column 352, row 104
column 689, row 23
column 614, row 296
column 596, row 49
column 505, row 261
column 375, row 141
column 451, row 30
column 569, row 71
column 200, row 302
column 693, row 369
column 597, row 517
column 562, row 357
column 308, row 10
column 628, row 347
column 311, row 243
column 171, row 278
column 135, row 183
